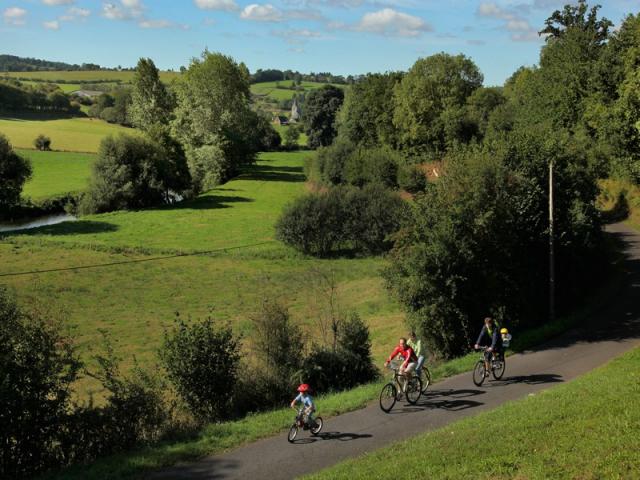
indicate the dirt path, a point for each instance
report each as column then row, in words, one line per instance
column 364, row 430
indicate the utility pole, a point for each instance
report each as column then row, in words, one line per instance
column 552, row 263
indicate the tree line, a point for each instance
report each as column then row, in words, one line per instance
column 475, row 240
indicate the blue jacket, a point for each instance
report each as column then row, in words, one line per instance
column 494, row 336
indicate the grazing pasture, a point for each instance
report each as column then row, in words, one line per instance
column 72, row 134
column 57, row 173
column 84, row 76
column 270, row 89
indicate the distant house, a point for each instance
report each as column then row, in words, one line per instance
column 87, row 93
column 280, row 120
column 295, row 112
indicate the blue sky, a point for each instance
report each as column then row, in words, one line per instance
column 340, row 36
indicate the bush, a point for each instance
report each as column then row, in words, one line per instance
column 208, row 166
column 412, row 179
column 42, row 143
column 37, row 367
column 131, row 173
column 345, row 367
column 331, row 161
column 373, row 165
column 344, row 218
column 201, row 360
column 14, row 172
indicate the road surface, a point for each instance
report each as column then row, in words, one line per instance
column 455, row 398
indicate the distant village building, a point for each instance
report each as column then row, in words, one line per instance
column 295, row 112
column 87, row 93
column 280, row 120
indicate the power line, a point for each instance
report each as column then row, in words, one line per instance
column 139, row 260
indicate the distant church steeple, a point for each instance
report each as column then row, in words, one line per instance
column 295, row 112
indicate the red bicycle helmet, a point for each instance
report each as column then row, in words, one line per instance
column 303, row 388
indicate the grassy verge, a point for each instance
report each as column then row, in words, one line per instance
column 594, row 422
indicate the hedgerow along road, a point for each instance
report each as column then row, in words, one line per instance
column 352, row 434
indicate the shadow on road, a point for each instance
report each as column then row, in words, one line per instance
column 339, row 436
column 535, row 379
column 210, row 468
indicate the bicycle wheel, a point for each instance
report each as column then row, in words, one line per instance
column 498, row 368
column 426, row 379
column 293, row 433
column 317, row 427
column 414, row 390
column 388, row 397
column 478, row 373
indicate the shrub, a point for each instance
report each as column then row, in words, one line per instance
column 346, row 366
column 42, row 143
column 344, row 218
column 131, row 173
column 201, row 359
column 332, row 160
column 412, row 179
column 37, row 367
column 372, row 165
column 208, row 166
column 14, row 172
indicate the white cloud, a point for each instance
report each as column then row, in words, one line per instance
column 261, row 13
column 155, row 24
column 297, row 36
column 390, row 22
column 53, row 3
column 15, row 16
column 52, row 25
column 223, row 5
column 79, row 12
column 125, row 10
column 520, row 28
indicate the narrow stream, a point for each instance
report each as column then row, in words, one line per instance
column 37, row 222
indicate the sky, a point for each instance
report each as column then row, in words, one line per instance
column 338, row 36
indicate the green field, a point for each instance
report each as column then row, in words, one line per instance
column 72, row 134
column 84, row 76
column 587, row 429
column 270, row 89
column 56, row 173
column 133, row 302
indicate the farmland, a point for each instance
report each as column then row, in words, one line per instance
column 56, row 173
column 84, row 76
column 283, row 90
column 133, row 302
column 75, row 134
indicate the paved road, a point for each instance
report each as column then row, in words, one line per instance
column 364, row 430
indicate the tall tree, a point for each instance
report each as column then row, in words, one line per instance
column 319, row 117
column 367, row 115
column 151, row 103
column 14, row 172
column 429, row 101
column 213, row 118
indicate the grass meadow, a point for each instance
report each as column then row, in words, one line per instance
column 270, row 89
column 57, row 173
column 84, row 76
column 71, row 134
column 134, row 301
column 513, row 441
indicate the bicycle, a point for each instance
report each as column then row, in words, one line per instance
column 302, row 422
column 392, row 391
column 498, row 366
column 425, row 378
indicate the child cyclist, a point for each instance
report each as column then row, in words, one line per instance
column 305, row 399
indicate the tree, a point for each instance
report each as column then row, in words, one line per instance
column 481, row 104
column 151, row 103
column 429, row 98
column 201, row 359
column 42, row 143
column 319, row 116
column 14, row 172
column 38, row 367
column 213, row 115
column 292, row 136
column 130, row 173
column 367, row 115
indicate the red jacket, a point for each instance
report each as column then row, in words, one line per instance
column 406, row 353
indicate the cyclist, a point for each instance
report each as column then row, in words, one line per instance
column 409, row 360
column 489, row 337
column 305, row 399
column 416, row 344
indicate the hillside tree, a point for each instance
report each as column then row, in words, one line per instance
column 15, row 170
column 319, row 116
